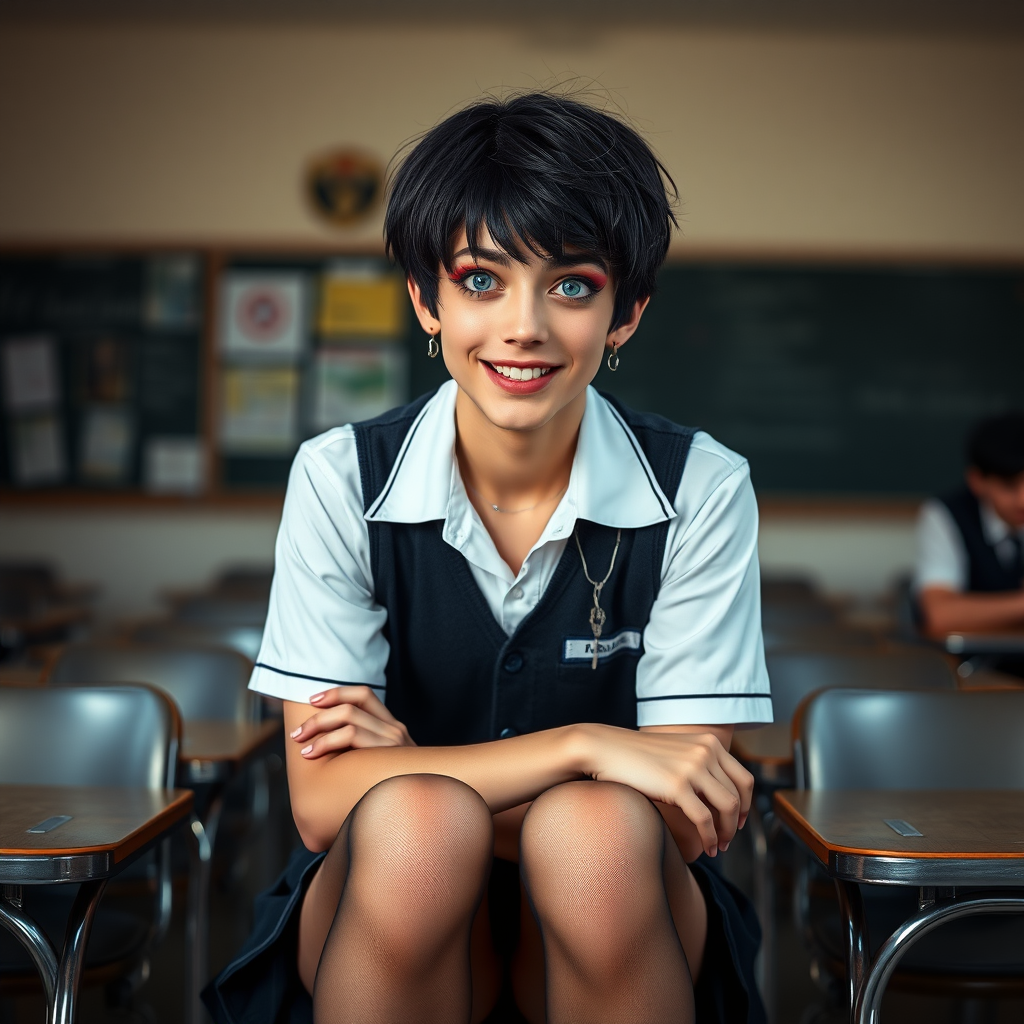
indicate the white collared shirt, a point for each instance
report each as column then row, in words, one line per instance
column 703, row 660
column 942, row 559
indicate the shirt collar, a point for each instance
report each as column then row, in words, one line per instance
column 611, row 482
column 993, row 526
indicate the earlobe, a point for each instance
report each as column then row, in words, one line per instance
column 427, row 320
column 618, row 337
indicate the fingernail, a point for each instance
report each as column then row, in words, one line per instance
column 307, row 749
column 713, row 852
column 296, row 732
column 725, row 846
column 317, row 697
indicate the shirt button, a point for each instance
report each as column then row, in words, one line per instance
column 506, row 733
column 517, row 593
column 513, row 663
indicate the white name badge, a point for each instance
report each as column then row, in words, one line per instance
column 581, row 648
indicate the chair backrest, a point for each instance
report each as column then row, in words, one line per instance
column 795, row 674
column 168, row 632
column 221, row 610
column 817, row 636
column 24, row 587
column 879, row 739
column 205, row 682
column 88, row 736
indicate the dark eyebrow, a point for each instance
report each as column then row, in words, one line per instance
column 568, row 259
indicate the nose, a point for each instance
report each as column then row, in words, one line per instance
column 526, row 324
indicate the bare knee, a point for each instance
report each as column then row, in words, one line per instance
column 426, row 837
column 591, row 856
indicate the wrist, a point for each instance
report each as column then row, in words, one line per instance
column 581, row 744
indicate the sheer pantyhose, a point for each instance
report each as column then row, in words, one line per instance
column 400, row 898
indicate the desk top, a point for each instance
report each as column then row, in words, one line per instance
column 1007, row 642
column 107, row 828
column 968, row 837
column 211, row 750
column 767, row 751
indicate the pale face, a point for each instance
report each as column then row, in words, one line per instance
column 523, row 341
column 1005, row 496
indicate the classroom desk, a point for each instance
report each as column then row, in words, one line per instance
column 212, row 753
column 969, row 645
column 107, row 830
column 767, row 753
column 969, row 838
column 18, row 630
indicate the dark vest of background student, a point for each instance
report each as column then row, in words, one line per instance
column 986, row 571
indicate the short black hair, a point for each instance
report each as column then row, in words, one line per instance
column 540, row 170
column 995, row 446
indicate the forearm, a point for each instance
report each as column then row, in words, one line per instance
column 949, row 611
column 504, row 772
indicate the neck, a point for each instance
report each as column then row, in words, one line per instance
column 516, row 468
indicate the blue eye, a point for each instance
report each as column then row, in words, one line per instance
column 479, row 282
column 573, row 288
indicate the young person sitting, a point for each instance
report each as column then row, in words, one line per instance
column 514, row 624
column 970, row 571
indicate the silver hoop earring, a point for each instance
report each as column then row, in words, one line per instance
column 613, row 359
column 432, row 345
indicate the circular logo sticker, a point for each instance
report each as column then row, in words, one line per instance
column 263, row 314
column 345, row 186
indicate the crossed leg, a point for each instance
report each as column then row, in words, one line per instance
column 394, row 925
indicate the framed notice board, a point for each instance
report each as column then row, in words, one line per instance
column 193, row 373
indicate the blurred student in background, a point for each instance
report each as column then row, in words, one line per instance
column 970, row 569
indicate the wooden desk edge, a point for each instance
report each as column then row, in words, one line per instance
column 152, row 829
column 263, row 734
column 822, row 849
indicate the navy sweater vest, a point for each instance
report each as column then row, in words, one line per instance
column 453, row 675
column 987, row 572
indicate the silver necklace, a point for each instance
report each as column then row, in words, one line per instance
column 597, row 613
column 515, row 511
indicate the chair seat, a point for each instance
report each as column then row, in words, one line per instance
column 116, row 934
column 983, row 945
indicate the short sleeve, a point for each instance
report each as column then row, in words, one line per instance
column 941, row 557
column 703, row 660
column 324, row 627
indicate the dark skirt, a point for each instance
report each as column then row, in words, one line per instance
column 261, row 985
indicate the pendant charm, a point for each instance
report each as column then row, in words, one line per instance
column 597, row 618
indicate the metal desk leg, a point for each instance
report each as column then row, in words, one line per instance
column 76, row 937
column 851, row 904
column 198, row 924
column 869, row 1003
column 758, row 822
column 31, row 936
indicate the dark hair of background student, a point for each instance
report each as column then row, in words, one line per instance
column 539, row 170
column 995, row 446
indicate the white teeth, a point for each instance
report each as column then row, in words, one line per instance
column 521, row 373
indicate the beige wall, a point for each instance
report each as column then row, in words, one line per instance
column 794, row 142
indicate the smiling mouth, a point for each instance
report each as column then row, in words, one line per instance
column 521, row 372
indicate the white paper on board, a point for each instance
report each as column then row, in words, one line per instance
column 107, row 438
column 37, row 451
column 352, row 384
column 174, row 465
column 31, row 380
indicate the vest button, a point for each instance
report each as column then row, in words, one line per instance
column 506, row 733
column 513, row 663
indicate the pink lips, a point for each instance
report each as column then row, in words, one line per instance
column 520, row 387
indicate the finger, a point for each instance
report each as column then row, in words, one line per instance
column 348, row 737
column 723, row 802
column 337, row 717
column 700, row 815
column 362, row 696
column 744, row 783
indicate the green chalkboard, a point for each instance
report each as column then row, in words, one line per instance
column 831, row 380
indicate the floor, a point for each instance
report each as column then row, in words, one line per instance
column 255, row 859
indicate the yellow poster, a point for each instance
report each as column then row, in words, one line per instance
column 361, row 305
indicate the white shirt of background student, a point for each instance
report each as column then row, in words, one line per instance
column 942, row 577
